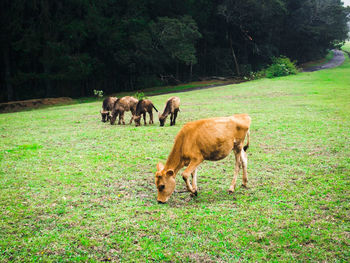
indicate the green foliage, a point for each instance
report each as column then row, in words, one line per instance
column 98, row 93
column 177, row 36
column 140, row 95
column 281, row 66
column 69, row 48
column 255, row 75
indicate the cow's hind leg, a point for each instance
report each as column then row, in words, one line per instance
column 186, row 175
column 150, row 117
column 237, row 163
column 144, row 118
column 175, row 116
column 171, row 119
column 244, row 162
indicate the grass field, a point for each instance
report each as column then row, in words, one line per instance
column 75, row 189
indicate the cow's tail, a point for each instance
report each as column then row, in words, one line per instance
column 245, row 148
column 154, row 107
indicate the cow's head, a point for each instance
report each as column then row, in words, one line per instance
column 105, row 116
column 161, row 120
column 137, row 120
column 165, row 183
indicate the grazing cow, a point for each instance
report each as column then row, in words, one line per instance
column 208, row 139
column 142, row 107
column 122, row 105
column 107, row 106
column 172, row 107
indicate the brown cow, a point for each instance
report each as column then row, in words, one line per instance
column 142, row 107
column 122, row 105
column 172, row 107
column 208, row 139
column 107, row 106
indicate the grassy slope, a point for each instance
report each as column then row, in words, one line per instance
column 73, row 188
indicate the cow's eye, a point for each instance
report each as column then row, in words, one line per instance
column 161, row 187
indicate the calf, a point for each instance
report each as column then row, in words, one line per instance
column 142, row 107
column 208, row 139
column 172, row 107
column 122, row 105
column 107, row 106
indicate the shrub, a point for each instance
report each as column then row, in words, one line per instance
column 255, row 75
column 281, row 66
column 139, row 95
column 98, row 93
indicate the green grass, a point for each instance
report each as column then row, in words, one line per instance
column 346, row 47
column 76, row 189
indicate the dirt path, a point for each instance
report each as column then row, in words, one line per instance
column 336, row 61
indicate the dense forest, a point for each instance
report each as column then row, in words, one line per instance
column 71, row 47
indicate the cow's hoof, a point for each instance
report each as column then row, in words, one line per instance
column 245, row 186
column 194, row 194
column 230, row 192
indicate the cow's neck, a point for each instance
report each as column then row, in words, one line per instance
column 174, row 160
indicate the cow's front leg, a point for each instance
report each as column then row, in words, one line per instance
column 237, row 163
column 186, row 175
column 194, row 180
column 132, row 115
column 122, row 117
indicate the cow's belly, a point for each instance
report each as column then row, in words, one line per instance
column 217, row 152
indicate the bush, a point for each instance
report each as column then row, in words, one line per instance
column 98, row 93
column 281, row 66
column 139, row 95
column 255, row 75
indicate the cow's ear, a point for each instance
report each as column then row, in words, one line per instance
column 160, row 166
column 170, row 172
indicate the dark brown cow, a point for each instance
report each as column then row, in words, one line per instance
column 208, row 139
column 122, row 105
column 144, row 106
column 172, row 107
column 107, row 106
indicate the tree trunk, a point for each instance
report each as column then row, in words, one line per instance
column 191, row 71
column 177, row 70
column 7, row 63
column 234, row 57
column 48, row 82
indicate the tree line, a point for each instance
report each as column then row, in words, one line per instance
column 71, row 47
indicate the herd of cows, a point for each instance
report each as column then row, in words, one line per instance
column 208, row 139
column 113, row 107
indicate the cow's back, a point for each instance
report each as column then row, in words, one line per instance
column 175, row 103
column 213, row 138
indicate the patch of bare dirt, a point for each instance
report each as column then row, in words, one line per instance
column 336, row 61
column 14, row 106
